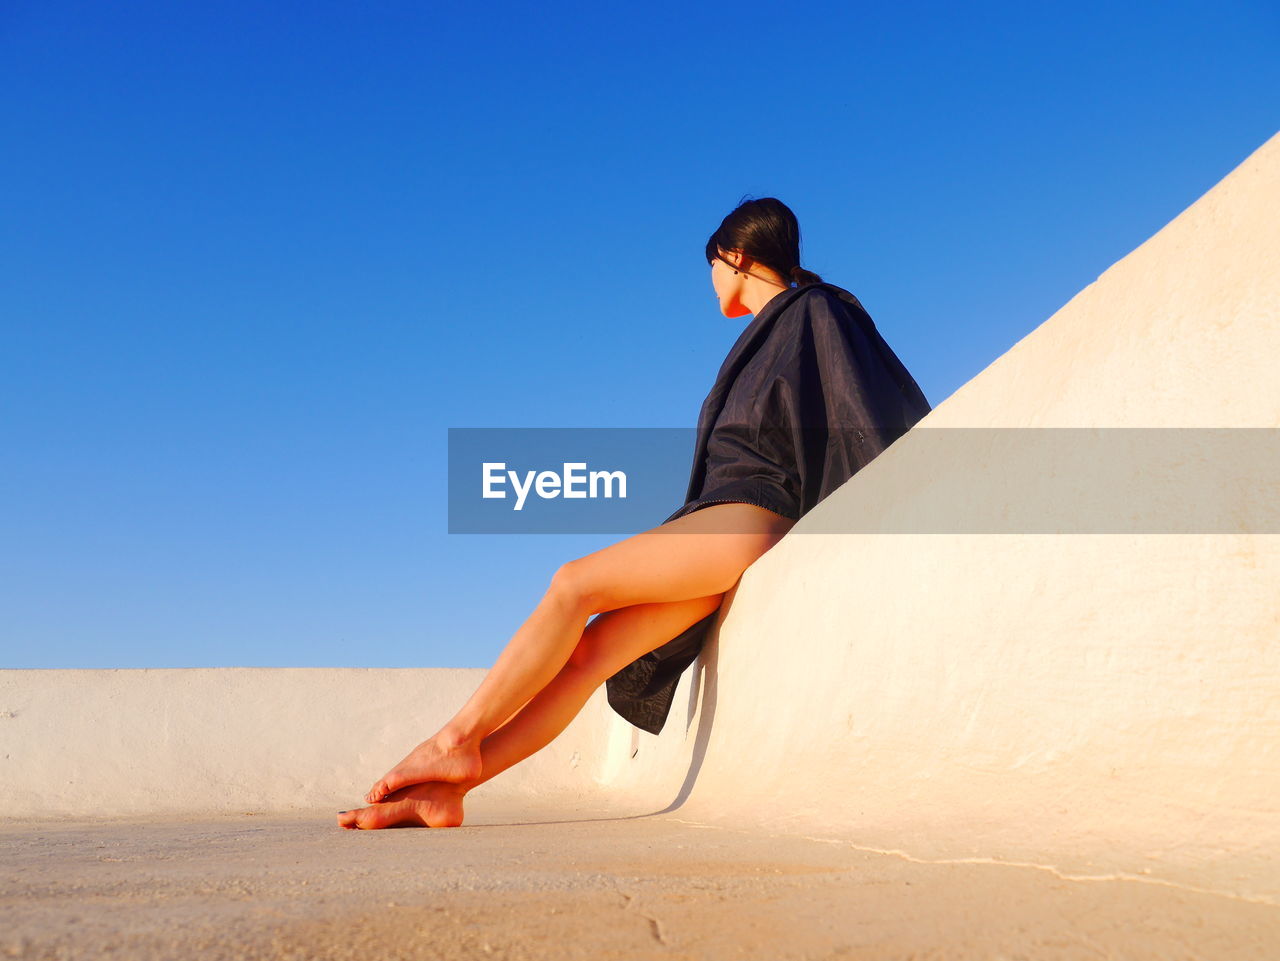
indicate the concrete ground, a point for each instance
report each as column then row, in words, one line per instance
column 564, row 884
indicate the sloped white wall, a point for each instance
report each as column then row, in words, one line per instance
column 1094, row 702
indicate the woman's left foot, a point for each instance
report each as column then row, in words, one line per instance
column 432, row 760
column 435, row 804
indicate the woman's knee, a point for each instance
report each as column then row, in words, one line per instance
column 569, row 587
column 578, row 586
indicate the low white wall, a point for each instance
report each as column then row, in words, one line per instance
column 117, row 742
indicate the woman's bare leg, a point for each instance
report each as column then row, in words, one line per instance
column 698, row 555
column 610, row 642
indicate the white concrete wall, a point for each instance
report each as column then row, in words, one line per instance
column 1096, row 704
column 92, row 742
column 1099, row 703
column 1109, row 700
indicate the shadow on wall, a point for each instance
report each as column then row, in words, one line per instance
column 704, row 682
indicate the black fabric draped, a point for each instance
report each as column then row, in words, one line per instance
column 808, row 395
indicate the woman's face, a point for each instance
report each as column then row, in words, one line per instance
column 727, row 285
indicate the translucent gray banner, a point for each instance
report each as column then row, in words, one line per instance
column 961, row 480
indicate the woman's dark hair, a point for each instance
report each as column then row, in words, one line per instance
column 765, row 230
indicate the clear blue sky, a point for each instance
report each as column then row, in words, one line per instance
column 255, row 259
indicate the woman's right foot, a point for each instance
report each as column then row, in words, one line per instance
column 430, row 761
column 436, row 804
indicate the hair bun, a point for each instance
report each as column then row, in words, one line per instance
column 803, row 276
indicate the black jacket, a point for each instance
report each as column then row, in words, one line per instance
column 808, row 394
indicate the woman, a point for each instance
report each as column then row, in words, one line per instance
column 808, row 395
